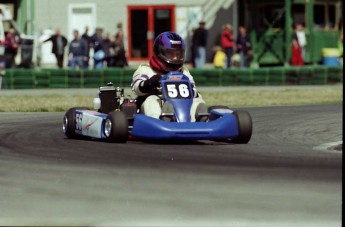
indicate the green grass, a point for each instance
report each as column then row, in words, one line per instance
column 232, row 98
column 277, row 97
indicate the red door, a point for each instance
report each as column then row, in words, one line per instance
column 144, row 24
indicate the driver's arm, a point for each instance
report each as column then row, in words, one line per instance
column 144, row 80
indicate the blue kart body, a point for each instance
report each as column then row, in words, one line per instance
column 222, row 123
column 181, row 97
column 223, row 128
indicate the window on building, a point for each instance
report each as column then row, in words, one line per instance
column 325, row 16
column 331, row 16
column 319, row 16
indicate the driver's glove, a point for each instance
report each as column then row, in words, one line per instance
column 148, row 85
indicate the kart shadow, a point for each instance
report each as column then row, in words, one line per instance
column 187, row 142
column 160, row 141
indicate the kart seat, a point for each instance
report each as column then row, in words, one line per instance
column 108, row 99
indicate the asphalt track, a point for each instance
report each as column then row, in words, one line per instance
column 288, row 175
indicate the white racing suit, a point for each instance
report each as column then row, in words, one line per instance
column 152, row 106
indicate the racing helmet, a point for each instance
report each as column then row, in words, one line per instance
column 168, row 52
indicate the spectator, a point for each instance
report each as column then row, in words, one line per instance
column 199, row 42
column 219, row 58
column 299, row 34
column 119, row 52
column 107, row 44
column 88, row 39
column 59, row 42
column 244, row 47
column 77, row 52
column 11, row 48
column 227, row 42
column 296, row 58
column 119, row 37
column 192, row 50
column 118, row 58
column 97, row 41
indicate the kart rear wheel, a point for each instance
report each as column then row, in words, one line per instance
column 69, row 122
column 244, row 122
column 116, row 127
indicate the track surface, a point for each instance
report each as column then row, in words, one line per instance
column 283, row 177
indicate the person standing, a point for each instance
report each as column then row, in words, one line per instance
column 107, row 44
column 77, row 51
column 97, row 43
column 296, row 57
column 88, row 40
column 301, row 37
column 120, row 59
column 199, row 42
column 59, row 42
column 119, row 36
column 227, row 42
column 11, row 48
column 244, row 47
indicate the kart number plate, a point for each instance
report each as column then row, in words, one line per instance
column 178, row 90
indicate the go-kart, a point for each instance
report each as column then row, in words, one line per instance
column 119, row 119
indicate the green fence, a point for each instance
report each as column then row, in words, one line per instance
column 67, row 78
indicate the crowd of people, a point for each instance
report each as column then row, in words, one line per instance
column 107, row 51
column 226, row 54
column 237, row 51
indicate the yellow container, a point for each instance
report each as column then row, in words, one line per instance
column 330, row 52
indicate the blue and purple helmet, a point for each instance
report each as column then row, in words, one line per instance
column 169, row 48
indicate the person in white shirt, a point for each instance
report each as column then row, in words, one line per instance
column 168, row 55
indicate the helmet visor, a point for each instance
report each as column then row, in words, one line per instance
column 172, row 55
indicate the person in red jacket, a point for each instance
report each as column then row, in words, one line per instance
column 296, row 57
column 11, row 48
column 227, row 41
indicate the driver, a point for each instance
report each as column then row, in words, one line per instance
column 168, row 55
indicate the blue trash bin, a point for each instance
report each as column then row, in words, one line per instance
column 330, row 57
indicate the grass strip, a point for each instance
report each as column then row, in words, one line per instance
column 231, row 98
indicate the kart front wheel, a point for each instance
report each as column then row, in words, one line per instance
column 244, row 122
column 69, row 122
column 116, row 127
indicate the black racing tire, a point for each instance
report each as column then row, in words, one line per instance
column 69, row 122
column 116, row 127
column 245, row 127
